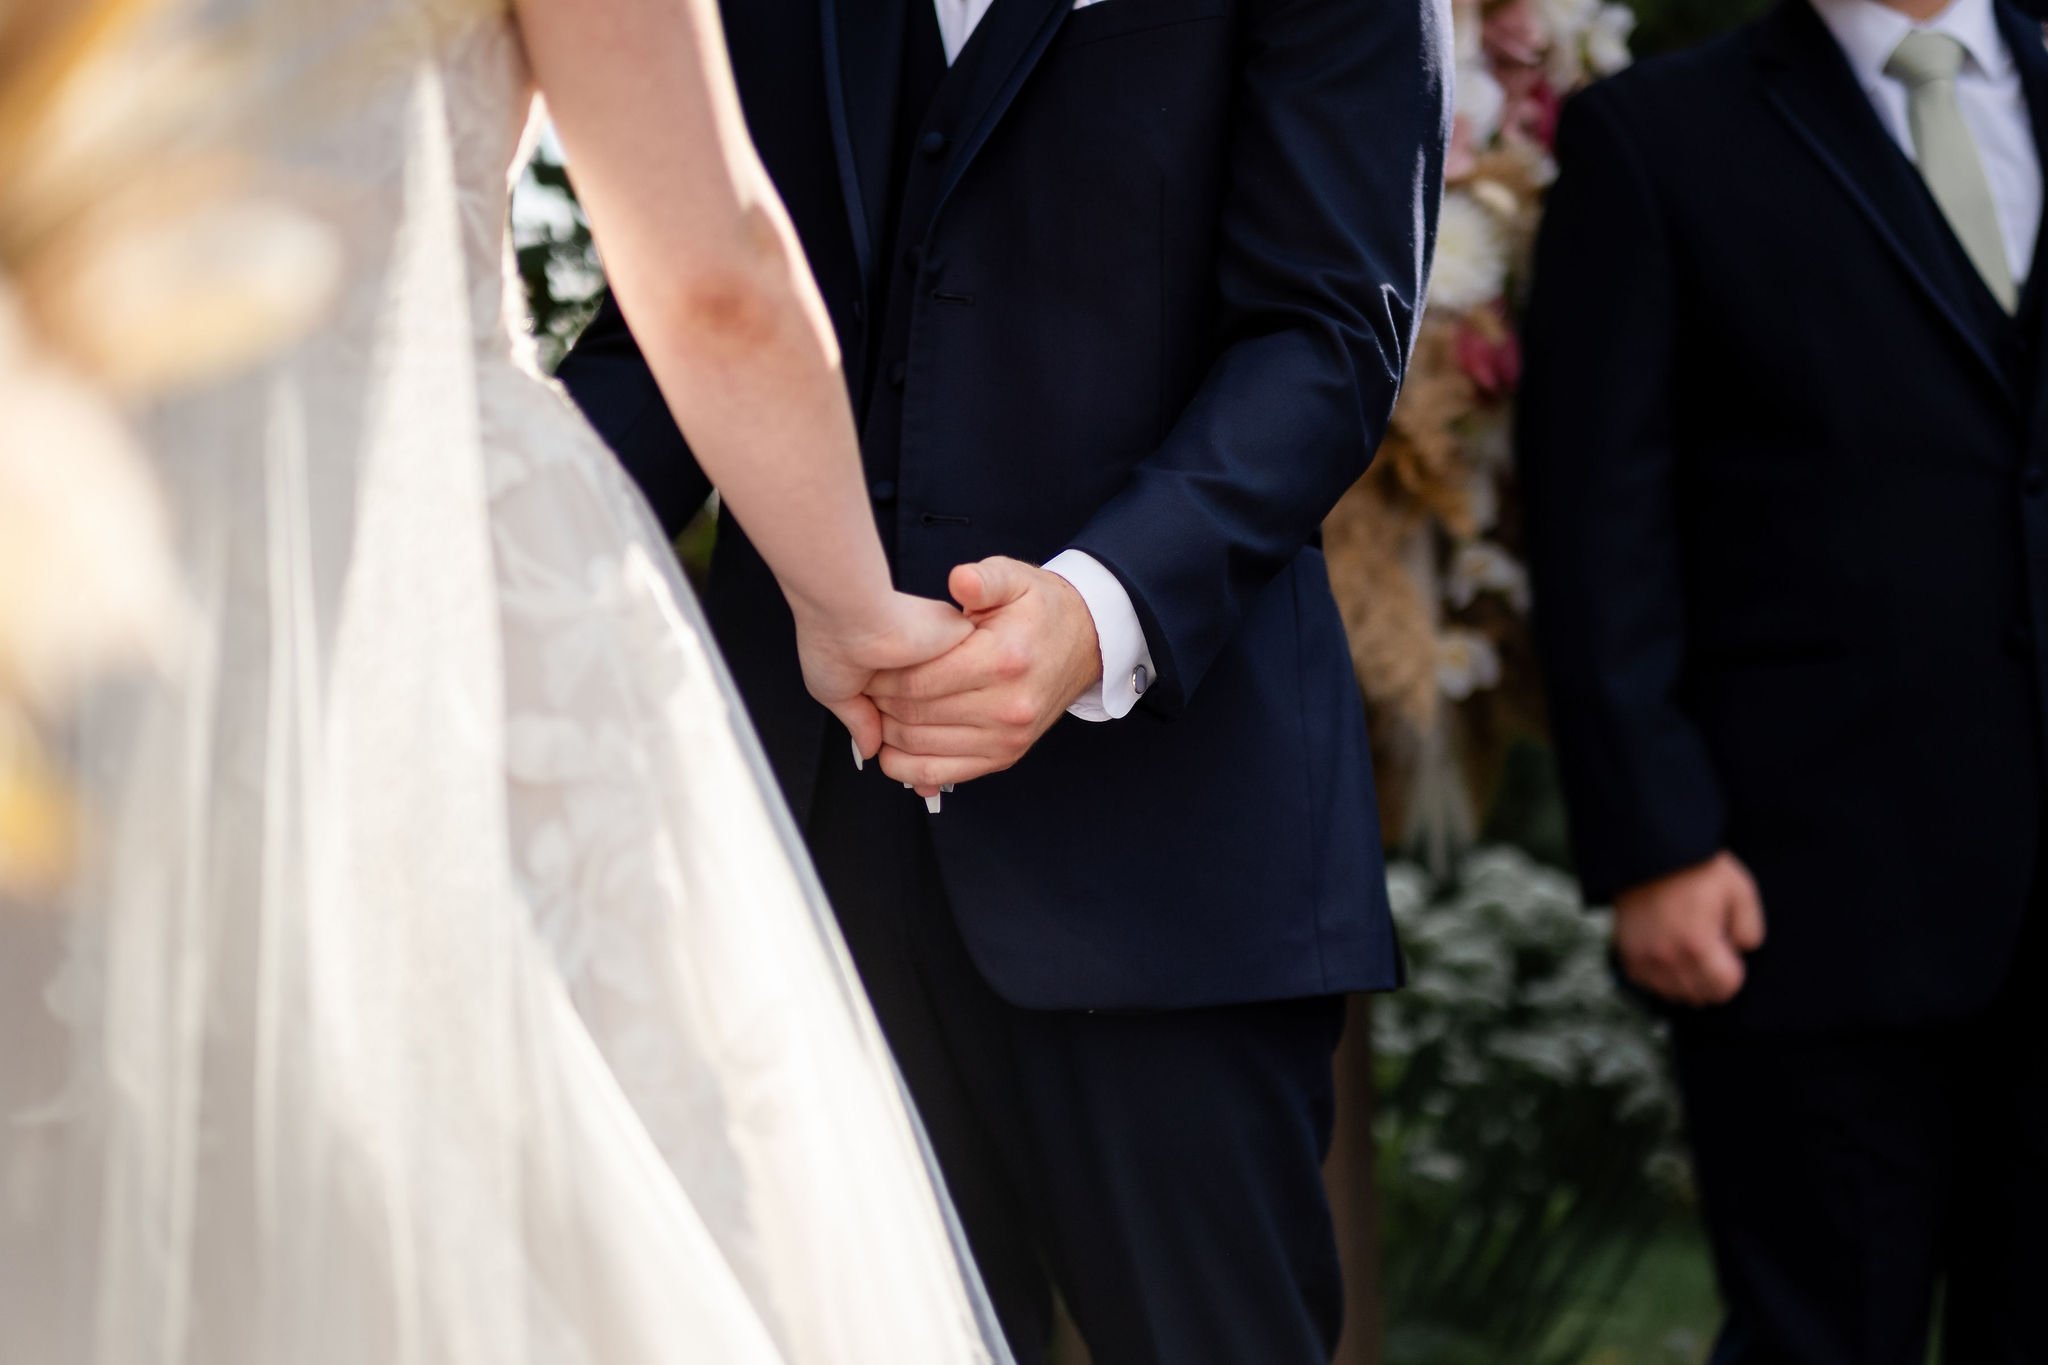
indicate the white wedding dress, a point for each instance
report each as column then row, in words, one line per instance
column 445, row 984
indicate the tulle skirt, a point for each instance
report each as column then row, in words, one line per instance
column 444, row 983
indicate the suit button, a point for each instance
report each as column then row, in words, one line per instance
column 2019, row 642
column 2034, row 480
column 897, row 374
column 882, row 490
column 932, row 143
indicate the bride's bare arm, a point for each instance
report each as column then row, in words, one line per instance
column 706, row 266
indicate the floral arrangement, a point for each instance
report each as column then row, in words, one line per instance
column 1422, row 550
column 1509, row 974
column 132, row 261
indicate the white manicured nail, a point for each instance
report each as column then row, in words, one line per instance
column 860, row 764
column 931, row 803
column 947, row 789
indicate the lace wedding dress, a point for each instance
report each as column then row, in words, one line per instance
column 445, row 984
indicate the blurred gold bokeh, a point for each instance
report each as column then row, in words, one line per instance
column 36, row 823
column 139, row 254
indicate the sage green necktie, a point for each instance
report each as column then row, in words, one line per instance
column 1927, row 65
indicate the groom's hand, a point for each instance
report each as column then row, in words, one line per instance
column 980, row 708
column 1684, row 936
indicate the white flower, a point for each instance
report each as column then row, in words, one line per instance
column 1471, row 256
column 1588, row 38
column 1409, row 888
column 1466, row 664
column 1567, row 21
column 1548, row 1055
column 1481, row 566
column 1481, row 101
column 1607, row 39
column 1438, row 1167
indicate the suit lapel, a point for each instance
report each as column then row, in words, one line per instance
column 1809, row 82
column 997, row 60
column 863, row 70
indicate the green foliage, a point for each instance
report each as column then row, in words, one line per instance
column 1529, row 1135
column 1667, row 25
column 557, row 259
column 1528, row 805
column 1668, row 1312
column 564, row 279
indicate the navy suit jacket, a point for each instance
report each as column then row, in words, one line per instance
column 1786, row 469
column 1169, row 281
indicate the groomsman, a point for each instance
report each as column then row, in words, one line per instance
column 1785, row 447
column 1125, row 291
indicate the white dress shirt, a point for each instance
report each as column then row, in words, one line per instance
column 958, row 19
column 1127, row 668
column 1993, row 102
column 957, row 22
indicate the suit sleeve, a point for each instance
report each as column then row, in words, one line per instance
column 1600, row 477
column 1334, row 182
column 610, row 381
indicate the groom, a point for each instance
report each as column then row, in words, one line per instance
column 1125, row 291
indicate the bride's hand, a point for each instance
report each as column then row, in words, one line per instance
column 840, row 659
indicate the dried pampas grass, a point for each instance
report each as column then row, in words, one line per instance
column 1423, row 550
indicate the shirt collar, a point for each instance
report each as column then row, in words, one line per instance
column 1869, row 33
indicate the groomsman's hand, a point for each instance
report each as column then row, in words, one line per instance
column 980, row 708
column 1684, row 936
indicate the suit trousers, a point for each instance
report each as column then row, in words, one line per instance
column 1161, row 1171
column 1853, row 1182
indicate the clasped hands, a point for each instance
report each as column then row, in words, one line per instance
column 945, row 696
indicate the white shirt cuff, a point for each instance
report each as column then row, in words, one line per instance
column 1126, row 658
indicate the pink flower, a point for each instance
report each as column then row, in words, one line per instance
column 1532, row 105
column 1538, row 117
column 1490, row 353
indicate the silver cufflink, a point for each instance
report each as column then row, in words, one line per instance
column 1140, row 680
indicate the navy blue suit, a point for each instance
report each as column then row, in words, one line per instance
column 1139, row 279
column 1786, row 467
column 1171, row 254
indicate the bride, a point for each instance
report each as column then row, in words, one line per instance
column 444, row 984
